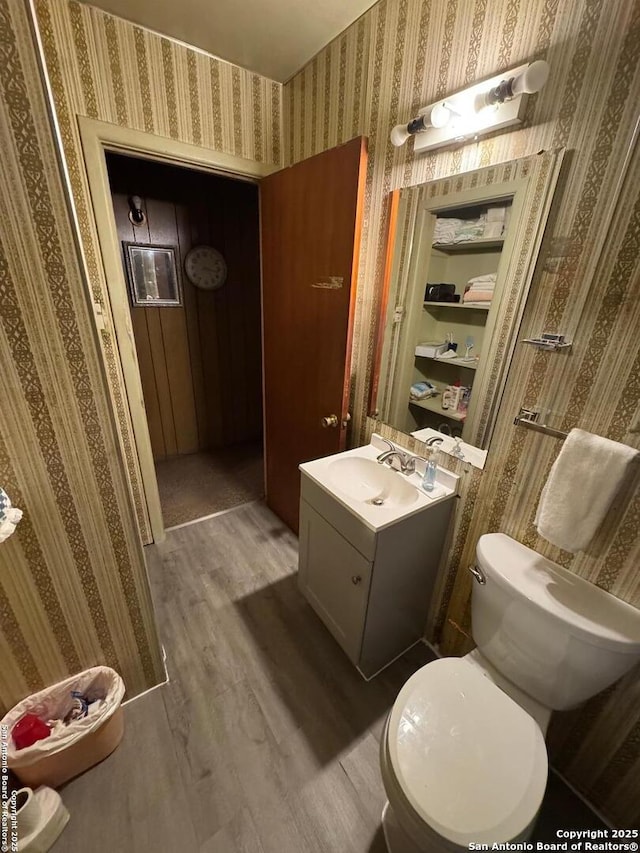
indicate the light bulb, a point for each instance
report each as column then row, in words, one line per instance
column 436, row 116
column 399, row 135
column 481, row 102
column 532, row 79
column 136, row 213
column 439, row 116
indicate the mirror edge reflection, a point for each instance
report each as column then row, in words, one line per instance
column 470, row 455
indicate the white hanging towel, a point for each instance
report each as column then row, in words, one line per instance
column 582, row 483
column 9, row 516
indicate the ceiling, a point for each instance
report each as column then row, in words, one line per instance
column 273, row 37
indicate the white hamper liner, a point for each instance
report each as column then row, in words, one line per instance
column 72, row 749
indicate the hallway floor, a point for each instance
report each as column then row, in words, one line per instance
column 266, row 739
column 200, row 484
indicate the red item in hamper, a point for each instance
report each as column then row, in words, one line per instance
column 28, row 730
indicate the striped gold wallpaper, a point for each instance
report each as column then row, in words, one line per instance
column 108, row 69
column 72, row 583
column 73, row 586
column 412, row 52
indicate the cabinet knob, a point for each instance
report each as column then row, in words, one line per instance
column 355, row 579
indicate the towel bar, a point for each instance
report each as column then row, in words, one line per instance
column 528, row 418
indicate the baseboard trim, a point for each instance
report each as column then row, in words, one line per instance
column 155, row 686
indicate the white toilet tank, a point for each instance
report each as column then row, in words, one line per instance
column 556, row 636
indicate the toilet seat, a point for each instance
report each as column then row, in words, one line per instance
column 470, row 762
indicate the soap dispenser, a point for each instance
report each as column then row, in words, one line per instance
column 430, row 471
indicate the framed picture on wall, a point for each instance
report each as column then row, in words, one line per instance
column 152, row 274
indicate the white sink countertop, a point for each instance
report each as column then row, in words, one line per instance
column 378, row 495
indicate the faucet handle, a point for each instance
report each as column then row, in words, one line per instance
column 410, row 464
column 457, row 450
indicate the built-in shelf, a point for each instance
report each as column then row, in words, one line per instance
column 432, row 404
column 486, row 307
column 460, row 362
column 479, row 245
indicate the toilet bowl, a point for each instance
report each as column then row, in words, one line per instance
column 463, row 757
column 461, row 762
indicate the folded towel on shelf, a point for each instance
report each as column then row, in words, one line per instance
column 496, row 214
column 477, row 296
column 490, row 276
column 480, row 285
column 421, row 390
column 493, row 230
column 470, row 229
column 480, row 288
column 582, row 483
column 445, row 230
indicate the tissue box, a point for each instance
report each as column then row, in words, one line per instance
column 431, row 349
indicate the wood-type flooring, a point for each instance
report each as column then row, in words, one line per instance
column 266, row 738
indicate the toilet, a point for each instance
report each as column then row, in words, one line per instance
column 463, row 756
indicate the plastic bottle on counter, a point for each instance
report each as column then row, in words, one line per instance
column 430, row 473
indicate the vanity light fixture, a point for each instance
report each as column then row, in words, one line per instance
column 482, row 108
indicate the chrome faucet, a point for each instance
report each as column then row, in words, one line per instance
column 434, row 440
column 407, row 463
column 406, row 460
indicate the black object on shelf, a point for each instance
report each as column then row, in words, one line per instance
column 442, row 292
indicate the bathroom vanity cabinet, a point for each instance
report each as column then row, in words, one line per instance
column 371, row 588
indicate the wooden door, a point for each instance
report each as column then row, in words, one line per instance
column 310, row 222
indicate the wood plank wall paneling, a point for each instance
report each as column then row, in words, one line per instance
column 200, row 363
column 409, row 53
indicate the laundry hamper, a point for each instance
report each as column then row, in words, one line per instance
column 69, row 750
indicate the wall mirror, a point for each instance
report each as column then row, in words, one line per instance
column 152, row 275
column 460, row 259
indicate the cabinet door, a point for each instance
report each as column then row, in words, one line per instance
column 334, row 578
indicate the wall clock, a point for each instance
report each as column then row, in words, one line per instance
column 205, row 267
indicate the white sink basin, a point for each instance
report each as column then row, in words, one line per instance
column 368, row 481
column 373, row 492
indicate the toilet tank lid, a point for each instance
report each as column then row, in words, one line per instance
column 585, row 609
column 471, row 762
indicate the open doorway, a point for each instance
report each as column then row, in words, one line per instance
column 199, row 350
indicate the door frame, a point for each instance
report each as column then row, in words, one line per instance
column 98, row 137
